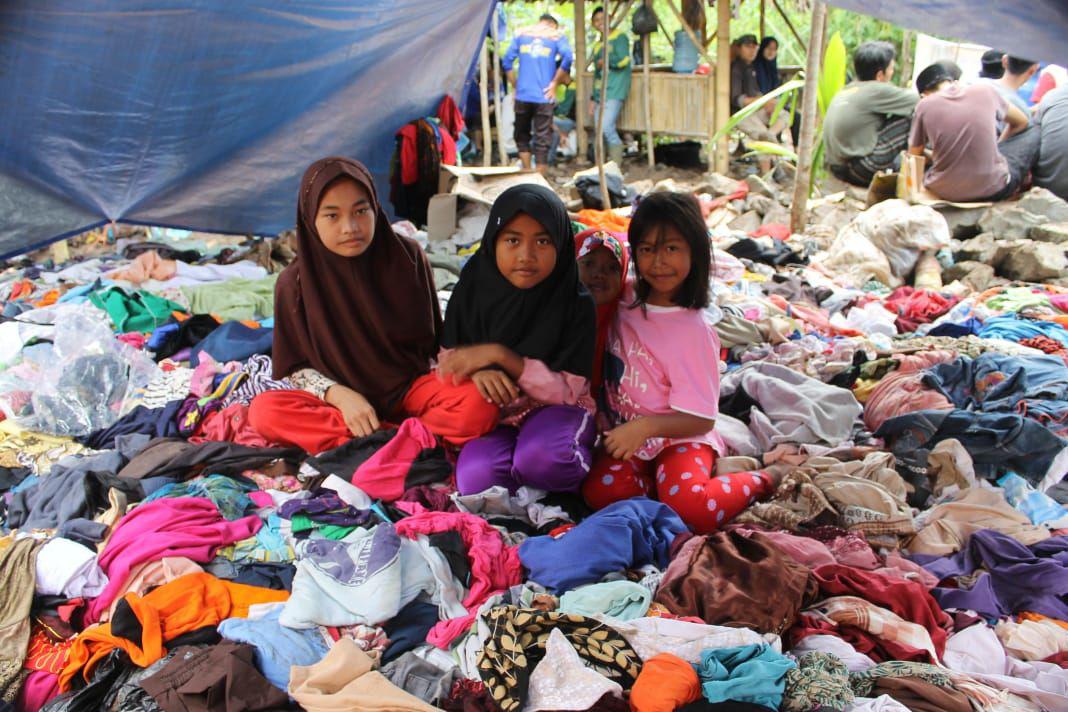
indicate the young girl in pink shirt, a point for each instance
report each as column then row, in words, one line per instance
column 661, row 378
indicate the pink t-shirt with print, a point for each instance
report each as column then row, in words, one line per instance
column 662, row 359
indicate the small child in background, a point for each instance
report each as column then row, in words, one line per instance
column 661, row 378
column 602, row 263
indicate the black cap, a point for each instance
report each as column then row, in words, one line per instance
column 747, row 40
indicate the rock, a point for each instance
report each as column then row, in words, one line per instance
column 738, row 205
column 746, row 222
column 665, row 186
column 784, row 173
column 777, row 215
column 641, row 187
column 1051, row 232
column 760, row 203
column 1040, row 201
column 986, row 249
column 1009, row 221
column 834, row 215
column 978, row 249
column 759, row 186
column 975, row 274
column 716, row 185
column 963, row 222
column 1035, row 262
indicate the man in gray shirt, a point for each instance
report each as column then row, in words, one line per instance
column 867, row 123
column 1017, row 73
column 1051, row 169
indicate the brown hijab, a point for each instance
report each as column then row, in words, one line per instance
column 368, row 322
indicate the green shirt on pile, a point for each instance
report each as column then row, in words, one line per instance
column 619, row 66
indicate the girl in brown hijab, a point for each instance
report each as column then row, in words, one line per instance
column 356, row 325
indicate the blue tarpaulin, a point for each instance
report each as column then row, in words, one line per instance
column 203, row 114
column 1031, row 29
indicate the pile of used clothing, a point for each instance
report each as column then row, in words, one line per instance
column 160, row 554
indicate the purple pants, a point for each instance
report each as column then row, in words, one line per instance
column 551, row 450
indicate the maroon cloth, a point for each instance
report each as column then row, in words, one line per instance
column 917, row 306
column 878, row 649
column 908, row 599
column 368, row 322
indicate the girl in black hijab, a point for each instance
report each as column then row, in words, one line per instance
column 522, row 327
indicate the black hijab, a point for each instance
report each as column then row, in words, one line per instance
column 554, row 321
column 767, row 70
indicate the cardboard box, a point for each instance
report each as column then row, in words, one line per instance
column 910, row 185
column 475, row 184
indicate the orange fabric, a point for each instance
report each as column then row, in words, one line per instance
column 604, row 219
column 49, row 298
column 455, row 412
column 173, row 609
column 665, row 683
column 1038, row 618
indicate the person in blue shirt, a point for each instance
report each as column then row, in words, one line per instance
column 545, row 58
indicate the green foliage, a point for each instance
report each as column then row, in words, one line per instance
column 833, row 72
column 789, row 88
column 765, row 148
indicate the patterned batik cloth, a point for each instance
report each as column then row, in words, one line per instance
column 517, row 644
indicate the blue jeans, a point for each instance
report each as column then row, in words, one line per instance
column 561, row 124
column 613, row 107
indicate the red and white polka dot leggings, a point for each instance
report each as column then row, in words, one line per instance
column 683, row 481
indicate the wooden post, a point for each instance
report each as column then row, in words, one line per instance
column 483, row 96
column 721, row 96
column 599, row 147
column 790, row 25
column 502, row 155
column 647, row 49
column 809, row 118
column 581, row 92
column 763, row 17
column 907, row 58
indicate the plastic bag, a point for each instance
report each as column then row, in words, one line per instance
column 644, row 21
column 77, row 382
column 901, row 231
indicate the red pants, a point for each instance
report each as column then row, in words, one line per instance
column 684, row 482
column 455, row 413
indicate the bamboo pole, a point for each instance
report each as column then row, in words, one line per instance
column 907, row 58
column 483, row 96
column 809, row 119
column 599, row 147
column 790, row 25
column 502, row 155
column 581, row 94
column 646, row 60
column 763, row 17
column 720, row 91
column 689, row 31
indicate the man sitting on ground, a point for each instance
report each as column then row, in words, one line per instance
column 1017, row 73
column 544, row 61
column 867, row 123
column 1051, row 169
column 968, row 163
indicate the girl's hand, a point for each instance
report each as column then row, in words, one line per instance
column 495, row 386
column 461, row 362
column 623, row 441
column 359, row 415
